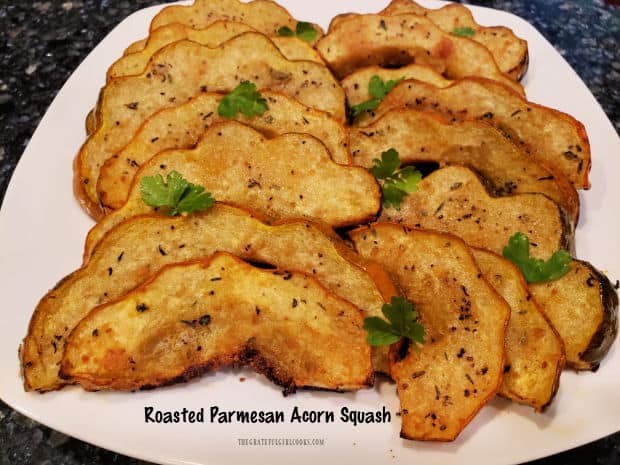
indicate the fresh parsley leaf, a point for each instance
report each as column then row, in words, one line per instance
column 389, row 163
column 392, row 196
column 397, row 183
column 378, row 89
column 176, row 195
column 535, row 270
column 380, row 332
column 303, row 30
column 408, row 179
column 402, row 321
column 368, row 105
column 463, row 32
column 285, row 31
column 245, row 99
column 195, row 199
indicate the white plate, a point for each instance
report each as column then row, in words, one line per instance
column 42, row 231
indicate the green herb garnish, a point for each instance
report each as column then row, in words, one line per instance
column 245, row 99
column 463, row 32
column 285, row 31
column 403, row 322
column 378, row 89
column 304, row 31
column 397, row 183
column 176, row 195
column 535, row 270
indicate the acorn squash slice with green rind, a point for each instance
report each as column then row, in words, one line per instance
column 534, row 350
column 422, row 136
column 555, row 138
column 140, row 246
column 583, row 307
column 196, row 317
column 182, row 126
column 291, row 176
column 181, row 71
column 444, row 384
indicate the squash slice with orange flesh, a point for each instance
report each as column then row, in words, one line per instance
column 196, row 317
column 355, row 85
column 394, row 41
column 509, row 51
column 534, row 350
column 265, row 16
column 444, row 383
column 581, row 305
column 422, row 136
column 140, row 246
column 454, row 199
column 555, row 138
column 291, row 176
column 182, row 126
column 212, row 36
column 179, row 72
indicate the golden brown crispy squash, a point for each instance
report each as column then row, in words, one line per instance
column 141, row 246
column 355, row 85
column 181, row 127
column 426, row 136
column 135, row 58
column 534, row 351
column 453, row 199
column 199, row 316
column 294, row 48
column 291, row 47
column 583, row 307
column 509, row 51
column 179, row 72
column 443, row 385
column 265, row 16
column 555, row 138
column 139, row 44
column 390, row 41
column 89, row 122
column 212, row 36
column 291, row 176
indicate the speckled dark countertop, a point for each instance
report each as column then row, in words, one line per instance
column 49, row 39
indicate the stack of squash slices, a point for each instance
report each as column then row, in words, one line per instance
column 299, row 249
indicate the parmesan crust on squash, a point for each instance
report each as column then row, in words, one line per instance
column 195, row 317
column 182, row 126
column 140, row 246
column 178, row 73
column 424, row 136
column 509, row 51
column 291, row 176
column 265, row 16
column 553, row 137
column 393, row 41
column 445, row 382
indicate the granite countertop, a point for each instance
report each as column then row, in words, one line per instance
column 43, row 42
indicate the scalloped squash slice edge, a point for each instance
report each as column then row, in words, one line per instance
column 445, row 382
column 282, row 323
column 140, row 246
